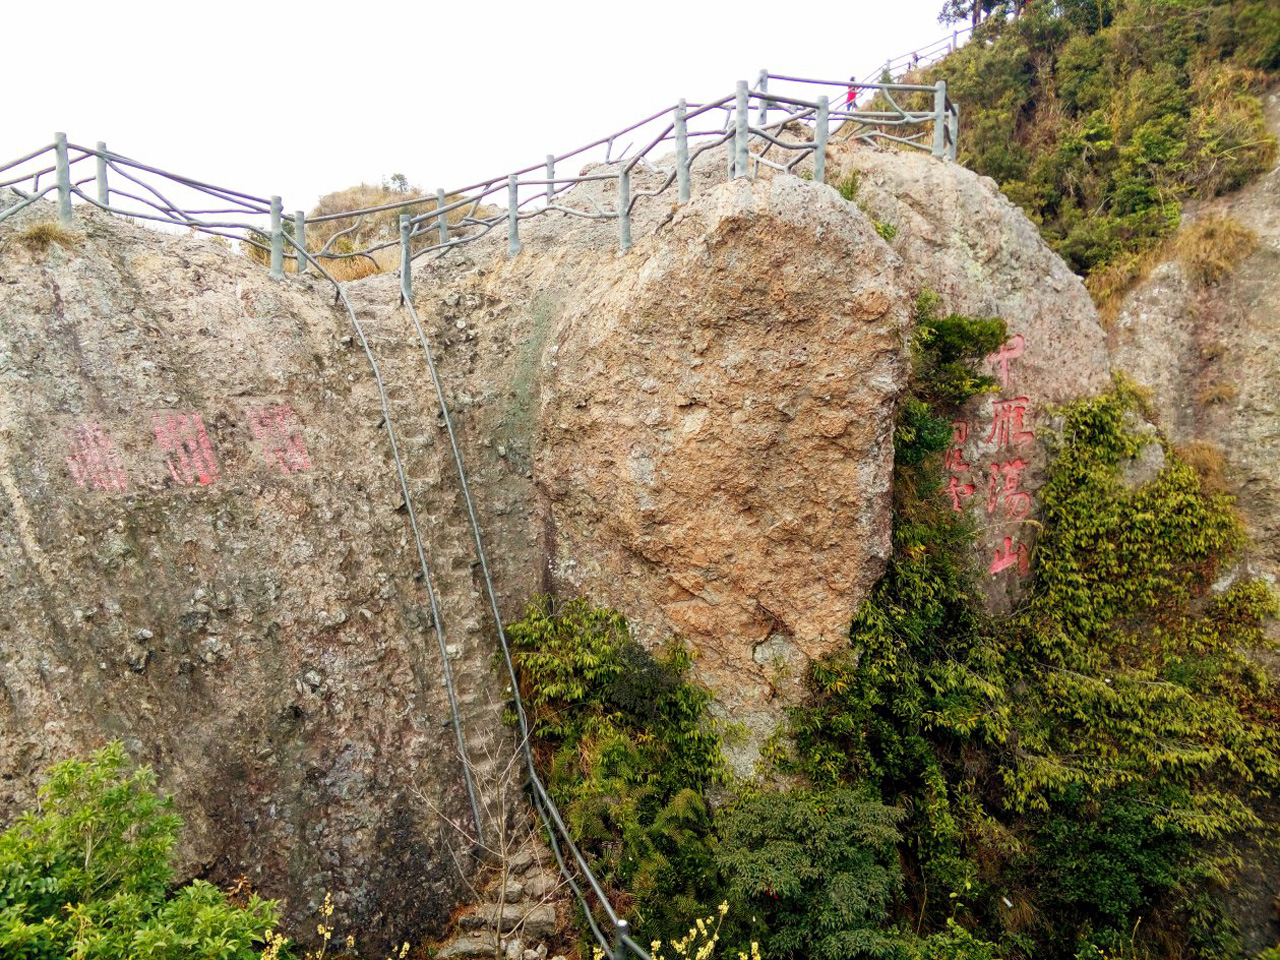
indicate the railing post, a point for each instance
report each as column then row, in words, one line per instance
column 953, row 129
column 682, row 153
column 442, row 219
column 300, row 242
column 763, row 86
column 513, row 217
column 277, row 239
column 406, row 258
column 730, row 153
column 820, row 141
column 64, row 177
column 619, row 948
column 740, row 133
column 104, row 191
column 940, row 119
column 624, row 209
column 955, row 34
column 551, row 175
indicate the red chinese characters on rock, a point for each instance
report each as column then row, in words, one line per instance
column 954, row 460
column 958, row 492
column 1011, row 555
column 1010, row 430
column 1012, row 349
column 1007, row 428
column 955, row 464
column 278, row 430
column 1002, row 488
column 191, row 458
column 94, row 461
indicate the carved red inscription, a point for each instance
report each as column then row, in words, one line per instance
column 191, row 458
column 94, row 461
column 958, row 491
column 1011, row 555
column 278, row 430
column 1002, row 487
column 1012, row 349
column 1007, row 428
column 954, row 459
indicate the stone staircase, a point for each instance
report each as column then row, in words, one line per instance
column 517, row 913
column 446, row 532
column 518, row 918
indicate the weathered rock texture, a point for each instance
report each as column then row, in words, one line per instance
column 698, row 433
column 964, row 240
column 240, row 608
column 1211, row 357
column 715, row 448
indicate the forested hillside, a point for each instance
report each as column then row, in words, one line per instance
column 1101, row 117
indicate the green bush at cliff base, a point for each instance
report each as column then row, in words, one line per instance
column 86, row 875
column 1094, row 760
column 945, row 352
column 815, row 870
column 629, row 751
column 1100, row 119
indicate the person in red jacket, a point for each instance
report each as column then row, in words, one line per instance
column 851, row 98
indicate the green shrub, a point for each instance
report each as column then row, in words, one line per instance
column 817, row 872
column 1099, row 861
column 86, row 875
column 1102, row 752
column 630, row 752
column 886, row 230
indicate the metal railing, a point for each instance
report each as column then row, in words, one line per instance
column 926, row 56
column 690, row 129
column 775, row 125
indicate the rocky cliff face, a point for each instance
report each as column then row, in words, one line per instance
column 200, row 553
column 1210, row 356
column 961, row 238
column 205, row 551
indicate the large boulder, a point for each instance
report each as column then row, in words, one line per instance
column 201, row 554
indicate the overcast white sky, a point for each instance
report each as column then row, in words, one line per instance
column 303, row 98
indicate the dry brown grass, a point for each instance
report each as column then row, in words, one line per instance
column 1208, row 249
column 1109, row 284
column 374, row 228
column 1214, row 393
column 1207, row 460
column 1228, row 125
column 39, row 237
column 367, row 231
column 1211, row 248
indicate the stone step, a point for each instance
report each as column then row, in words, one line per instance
column 481, row 945
column 530, row 921
column 487, row 945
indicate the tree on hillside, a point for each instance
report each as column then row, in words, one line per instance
column 956, row 11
